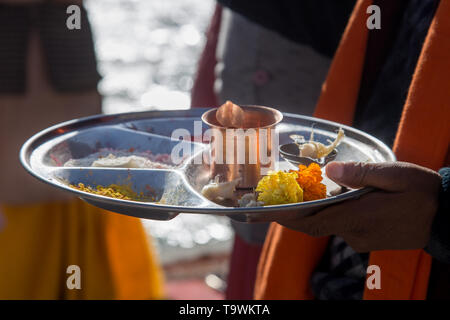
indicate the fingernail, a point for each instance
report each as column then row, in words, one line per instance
column 335, row 170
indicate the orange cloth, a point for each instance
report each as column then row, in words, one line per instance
column 39, row 242
column 290, row 257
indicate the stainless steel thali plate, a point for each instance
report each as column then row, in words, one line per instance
column 45, row 154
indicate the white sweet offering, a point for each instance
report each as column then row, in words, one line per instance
column 110, row 158
column 316, row 150
column 249, row 200
column 111, row 161
column 216, row 190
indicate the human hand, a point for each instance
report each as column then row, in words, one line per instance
column 398, row 215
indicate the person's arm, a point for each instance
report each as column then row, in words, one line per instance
column 318, row 23
column 439, row 244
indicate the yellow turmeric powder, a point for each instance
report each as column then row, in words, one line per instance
column 124, row 192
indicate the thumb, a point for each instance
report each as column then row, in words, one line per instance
column 386, row 176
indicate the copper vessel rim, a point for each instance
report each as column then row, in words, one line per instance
column 277, row 114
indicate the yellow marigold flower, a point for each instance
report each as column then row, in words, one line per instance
column 279, row 187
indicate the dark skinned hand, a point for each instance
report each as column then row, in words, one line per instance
column 397, row 215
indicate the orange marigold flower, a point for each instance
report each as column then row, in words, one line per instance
column 309, row 179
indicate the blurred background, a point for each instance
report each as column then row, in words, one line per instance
column 148, row 63
column 148, row 50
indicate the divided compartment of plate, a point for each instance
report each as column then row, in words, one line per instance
column 168, row 186
column 158, row 187
column 113, row 138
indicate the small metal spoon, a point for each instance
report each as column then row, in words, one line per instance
column 230, row 115
column 290, row 152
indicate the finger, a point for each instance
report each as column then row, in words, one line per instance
column 388, row 176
